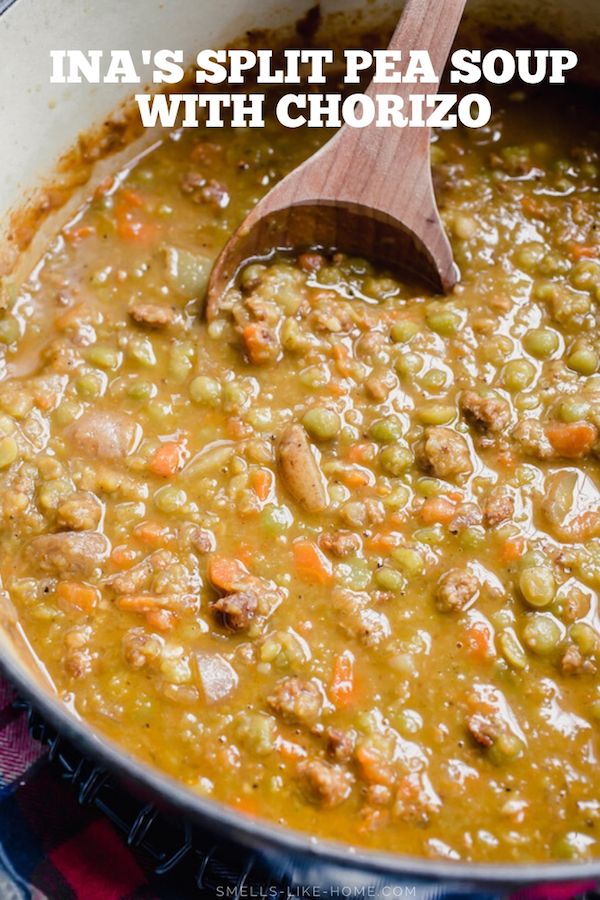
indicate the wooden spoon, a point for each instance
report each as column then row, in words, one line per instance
column 367, row 191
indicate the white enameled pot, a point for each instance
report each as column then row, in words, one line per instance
column 39, row 122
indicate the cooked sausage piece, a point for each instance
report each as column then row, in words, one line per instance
column 340, row 543
column 297, row 700
column 137, row 578
column 323, row 783
column 455, row 590
column 466, row 515
column 489, row 413
column 485, row 730
column 531, row 439
column 573, row 662
column 152, row 314
column 497, row 507
column 340, row 744
column 300, row 470
column 141, row 648
column 103, row 435
column 80, row 511
column 236, row 610
column 74, row 553
column 358, row 619
column 444, row 452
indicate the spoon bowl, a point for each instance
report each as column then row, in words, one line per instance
column 368, row 191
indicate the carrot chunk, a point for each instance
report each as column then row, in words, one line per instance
column 373, row 768
column 167, row 460
column 479, row 641
column 513, row 549
column 262, row 482
column 259, row 342
column 76, row 595
column 311, row 565
column 342, row 687
column 438, row 510
column 572, row 439
column 152, row 534
column 226, row 574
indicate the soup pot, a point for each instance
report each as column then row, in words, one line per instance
column 39, row 122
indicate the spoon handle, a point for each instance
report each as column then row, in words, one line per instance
column 390, row 155
column 424, row 25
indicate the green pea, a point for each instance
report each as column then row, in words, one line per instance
column 275, row 519
column 9, row 451
column 141, row 350
column 572, row 410
column 354, row 573
column 573, row 845
column 395, row 460
column 141, row 390
column 89, row 385
column 527, row 401
column 436, row 414
column 430, row 487
column 205, row 390
column 472, row 537
column 511, row 650
column 9, row 330
column 541, row 342
column 252, row 275
column 408, row 364
column 434, row 380
column 256, row 731
column 321, row 423
column 409, row 561
column 397, row 499
column 528, row 255
column 585, row 637
column 585, row 275
column 160, row 411
column 51, row 492
column 181, row 360
column 541, row 634
column 518, row 374
column 432, row 535
column 444, row 322
column 402, row 331
column 260, row 418
column 315, row 377
column 329, row 275
column 169, row 499
column 379, row 288
column 386, row 430
column 66, row 412
column 103, row 357
column 388, row 579
column 583, row 360
column 505, row 749
column 464, row 227
column 531, row 558
column 538, row 586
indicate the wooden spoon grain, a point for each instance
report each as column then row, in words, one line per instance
column 367, row 191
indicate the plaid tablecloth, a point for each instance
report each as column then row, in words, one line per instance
column 52, row 847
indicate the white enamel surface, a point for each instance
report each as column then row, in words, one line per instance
column 39, row 121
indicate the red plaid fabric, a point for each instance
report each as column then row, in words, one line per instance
column 52, row 848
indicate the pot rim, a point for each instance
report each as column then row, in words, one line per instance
column 268, row 838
